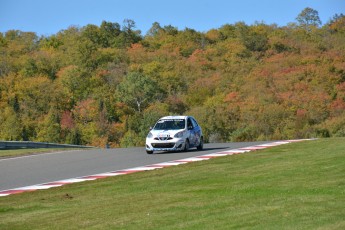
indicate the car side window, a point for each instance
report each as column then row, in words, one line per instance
column 189, row 124
column 195, row 124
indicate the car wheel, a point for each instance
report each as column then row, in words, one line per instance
column 186, row 146
column 201, row 145
column 149, row 152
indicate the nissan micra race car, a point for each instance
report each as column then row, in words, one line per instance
column 174, row 133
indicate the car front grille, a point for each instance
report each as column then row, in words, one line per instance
column 162, row 138
column 163, row 145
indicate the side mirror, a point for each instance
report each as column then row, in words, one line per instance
column 150, row 128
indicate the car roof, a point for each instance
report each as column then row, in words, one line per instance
column 173, row 117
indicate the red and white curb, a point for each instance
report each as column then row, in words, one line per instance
column 145, row 168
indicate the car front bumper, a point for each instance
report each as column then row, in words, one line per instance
column 172, row 145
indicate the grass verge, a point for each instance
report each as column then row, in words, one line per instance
column 293, row 186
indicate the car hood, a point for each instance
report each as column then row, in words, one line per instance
column 165, row 133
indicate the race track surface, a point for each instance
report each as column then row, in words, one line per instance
column 49, row 167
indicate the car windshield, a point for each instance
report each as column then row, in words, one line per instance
column 172, row 124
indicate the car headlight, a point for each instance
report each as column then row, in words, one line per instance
column 179, row 134
column 149, row 135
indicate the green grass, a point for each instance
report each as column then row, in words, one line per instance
column 23, row 152
column 293, row 186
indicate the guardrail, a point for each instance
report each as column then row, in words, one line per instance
column 33, row 145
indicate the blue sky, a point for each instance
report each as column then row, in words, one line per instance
column 46, row 17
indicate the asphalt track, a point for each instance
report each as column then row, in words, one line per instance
column 44, row 168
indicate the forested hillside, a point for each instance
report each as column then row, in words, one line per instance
column 107, row 84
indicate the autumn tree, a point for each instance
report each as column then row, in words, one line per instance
column 337, row 23
column 106, row 84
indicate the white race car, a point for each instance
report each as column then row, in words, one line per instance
column 174, row 133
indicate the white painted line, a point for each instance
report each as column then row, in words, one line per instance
column 73, row 180
column 191, row 159
column 108, row 174
column 165, row 164
column 269, row 145
column 214, row 155
column 236, row 151
column 36, row 187
column 144, row 168
column 252, row 148
column 281, row 142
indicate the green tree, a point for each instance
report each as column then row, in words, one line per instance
column 49, row 129
column 308, row 18
column 109, row 31
column 131, row 36
column 92, row 33
column 255, row 38
column 10, row 126
column 75, row 84
column 188, row 41
column 170, row 30
column 154, row 30
column 137, row 90
column 69, row 45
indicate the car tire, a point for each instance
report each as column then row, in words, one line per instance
column 201, row 144
column 186, row 146
column 149, row 152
